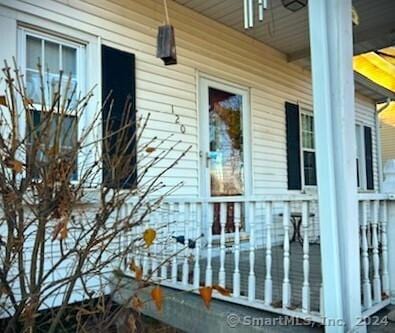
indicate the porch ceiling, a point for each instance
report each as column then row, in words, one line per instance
column 288, row 32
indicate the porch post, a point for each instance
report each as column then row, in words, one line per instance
column 333, row 91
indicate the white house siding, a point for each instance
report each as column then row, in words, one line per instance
column 387, row 129
column 203, row 46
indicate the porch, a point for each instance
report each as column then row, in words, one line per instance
column 265, row 262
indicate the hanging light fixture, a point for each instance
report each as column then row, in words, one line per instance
column 294, row 5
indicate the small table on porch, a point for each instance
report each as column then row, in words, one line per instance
column 296, row 220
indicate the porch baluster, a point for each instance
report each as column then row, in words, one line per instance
column 251, row 276
column 196, row 213
column 286, row 282
column 210, row 220
column 306, row 258
column 236, row 273
column 154, row 254
column 165, row 219
column 268, row 278
column 184, row 217
column 366, row 286
column 173, row 225
column 221, row 275
column 376, row 257
column 384, row 249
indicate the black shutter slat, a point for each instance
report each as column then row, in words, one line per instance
column 369, row 158
column 119, row 82
column 293, row 146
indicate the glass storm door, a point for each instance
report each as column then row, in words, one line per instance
column 223, row 114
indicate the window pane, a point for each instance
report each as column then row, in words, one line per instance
column 33, row 86
column 68, row 135
column 226, row 143
column 33, row 52
column 51, row 57
column 69, row 60
column 309, row 168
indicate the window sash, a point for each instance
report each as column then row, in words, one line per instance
column 67, row 49
column 309, row 172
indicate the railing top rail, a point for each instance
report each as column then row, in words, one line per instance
column 373, row 196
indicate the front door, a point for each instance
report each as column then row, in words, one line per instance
column 224, row 118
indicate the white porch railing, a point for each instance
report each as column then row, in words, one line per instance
column 265, row 251
column 374, row 253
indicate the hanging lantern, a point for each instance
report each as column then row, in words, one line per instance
column 294, row 5
column 166, row 45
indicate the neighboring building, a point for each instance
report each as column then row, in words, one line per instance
column 247, row 107
column 379, row 67
column 387, row 129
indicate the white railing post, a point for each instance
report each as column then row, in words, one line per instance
column 236, row 273
column 366, row 286
column 222, row 273
column 384, row 249
column 251, row 275
column 209, row 212
column 286, row 281
column 165, row 220
column 389, row 187
column 197, row 218
column 173, row 226
column 185, row 218
column 306, row 259
column 268, row 278
column 376, row 257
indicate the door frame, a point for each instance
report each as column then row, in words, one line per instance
column 204, row 82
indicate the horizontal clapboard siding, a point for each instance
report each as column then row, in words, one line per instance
column 387, row 127
column 206, row 46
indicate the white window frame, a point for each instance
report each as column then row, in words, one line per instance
column 54, row 37
column 360, row 144
column 360, row 153
column 308, row 112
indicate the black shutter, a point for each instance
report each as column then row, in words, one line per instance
column 119, row 89
column 369, row 158
column 293, row 146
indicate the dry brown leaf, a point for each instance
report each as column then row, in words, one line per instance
column 136, row 303
column 3, row 100
column 139, row 273
column 157, row 296
column 137, row 270
column 206, row 293
column 63, row 233
column 149, row 236
column 223, row 291
column 15, row 165
column 150, row 150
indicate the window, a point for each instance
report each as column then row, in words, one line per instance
column 58, row 62
column 301, row 161
column 359, row 154
column 308, row 149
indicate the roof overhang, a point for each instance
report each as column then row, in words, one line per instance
column 371, row 89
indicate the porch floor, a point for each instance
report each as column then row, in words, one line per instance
column 296, row 273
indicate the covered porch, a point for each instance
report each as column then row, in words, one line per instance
column 334, row 264
column 268, row 261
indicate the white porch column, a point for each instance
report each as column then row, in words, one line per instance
column 333, row 91
column 389, row 187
